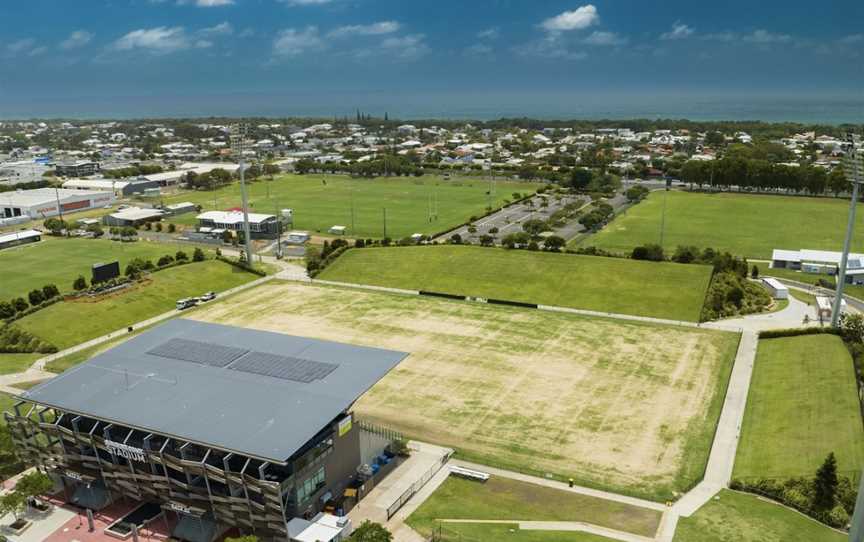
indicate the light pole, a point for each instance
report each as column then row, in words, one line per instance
column 238, row 147
column 854, row 166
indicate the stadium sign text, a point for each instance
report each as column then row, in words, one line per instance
column 124, row 451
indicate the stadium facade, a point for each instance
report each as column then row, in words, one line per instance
column 221, row 426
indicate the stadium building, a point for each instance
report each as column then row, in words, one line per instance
column 219, row 427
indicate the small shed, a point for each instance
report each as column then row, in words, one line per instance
column 778, row 289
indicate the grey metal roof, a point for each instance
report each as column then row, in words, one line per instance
column 262, row 415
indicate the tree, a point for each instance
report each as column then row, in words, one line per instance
column 36, row 297
column 12, row 503
column 247, row 538
column 852, row 327
column 825, row 484
column 487, row 240
column 554, row 243
column 165, row 260
column 50, row 291
column 172, row 228
column 371, row 532
column 534, row 227
column 34, row 484
column 6, row 310
column 198, row 255
column 754, row 273
column 517, row 239
column 158, row 226
column 79, row 284
column 650, row 252
column 181, row 256
column 20, row 304
column 455, row 239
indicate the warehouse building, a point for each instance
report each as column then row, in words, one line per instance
column 220, row 427
column 823, row 262
column 126, row 187
column 133, row 216
column 41, row 203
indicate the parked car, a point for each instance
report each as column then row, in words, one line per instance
column 186, row 303
column 209, row 296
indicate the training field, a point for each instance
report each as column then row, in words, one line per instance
column 59, row 261
column 322, row 201
column 661, row 290
column 743, row 224
column 616, row 404
column 803, row 404
column 69, row 323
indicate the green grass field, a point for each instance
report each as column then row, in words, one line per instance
column 505, row 499
column 744, row 224
column 510, row 532
column 662, row 290
column 322, row 201
column 803, row 404
column 16, row 363
column 59, row 261
column 69, row 323
column 745, row 518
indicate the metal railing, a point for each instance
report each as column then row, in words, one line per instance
column 416, row 486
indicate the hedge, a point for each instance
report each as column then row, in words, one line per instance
column 241, row 265
column 794, row 332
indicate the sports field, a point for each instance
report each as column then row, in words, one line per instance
column 504, row 499
column 322, row 201
column 661, row 290
column 743, row 224
column 803, row 404
column 615, row 404
column 747, row 518
column 69, row 323
column 59, row 261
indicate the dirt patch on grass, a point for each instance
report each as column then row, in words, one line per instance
column 609, row 402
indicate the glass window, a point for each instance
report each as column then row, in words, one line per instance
column 310, row 486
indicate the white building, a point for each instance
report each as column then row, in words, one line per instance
column 819, row 262
column 778, row 289
column 42, row 203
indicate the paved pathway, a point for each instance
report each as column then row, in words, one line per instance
column 568, row 526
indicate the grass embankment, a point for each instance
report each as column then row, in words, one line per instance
column 69, row 323
column 615, row 285
column 743, row 224
column 511, row 500
column 322, row 201
column 747, row 518
column 59, row 261
column 803, row 404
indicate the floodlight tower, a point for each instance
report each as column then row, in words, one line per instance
column 239, row 143
column 854, row 166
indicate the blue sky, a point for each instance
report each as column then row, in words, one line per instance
column 167, row 56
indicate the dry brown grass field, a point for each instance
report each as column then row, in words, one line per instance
column 615, row 404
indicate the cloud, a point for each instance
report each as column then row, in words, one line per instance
column 852, row 39
column 679, row 31
column 405, row 47
column 221, row 29
column 763, row 36
column 489, row 34
column 161, row 39
column 479, row 50
column 20, row 46
column 605, row 38
column 550, row 46
column 306, row 2
column 76, row 39
column 721, row 36
column 36, row 51
column 579, row 18
column 205, row 3
column 293, row 42
column 374, row 29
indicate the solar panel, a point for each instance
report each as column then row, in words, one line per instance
column 283, row 367
column 214, row 355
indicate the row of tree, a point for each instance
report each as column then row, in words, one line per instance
column 746, row 173
column 10, row 308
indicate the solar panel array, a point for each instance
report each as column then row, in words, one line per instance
column 214, row 355
column 283, row 367
column 239, row 359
